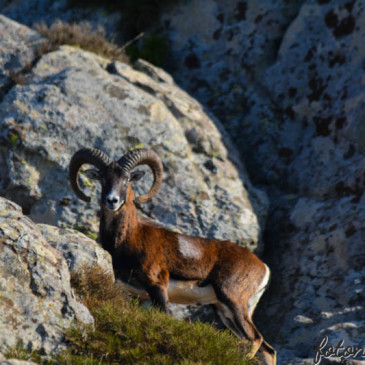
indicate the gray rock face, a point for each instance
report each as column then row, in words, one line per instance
column 221, row 51
column 17, row 50
column 75, row 99
column 297, row 116
column 33, row 12
column 16, row 362
column 36, row 300
column 285, row 79
column 79, row 251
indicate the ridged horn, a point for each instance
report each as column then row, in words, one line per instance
column 90, row 156
column 144, row 156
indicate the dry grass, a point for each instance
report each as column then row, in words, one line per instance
column 125, row 333
column 84, row 36
column 138, row 16
column 93, row 287
column 81, row 35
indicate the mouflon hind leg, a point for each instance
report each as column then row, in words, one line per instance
column 226, row 317
column 266, row 354
column 244, row 325
column 239, row 321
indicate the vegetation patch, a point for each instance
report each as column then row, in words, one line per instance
column 84, row 36
column 86, row 230
column 152, row 47
column 20, row 352
column 126, row 333
column 80, row 35
column 139, row 17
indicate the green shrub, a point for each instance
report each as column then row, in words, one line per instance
column 153, row 48
column 138, row 16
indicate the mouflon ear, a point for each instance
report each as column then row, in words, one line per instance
column 93, row 174
column 136, row 175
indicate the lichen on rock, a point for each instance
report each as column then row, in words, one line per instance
column 73, row 99
column 36, row 298
column 84, row 100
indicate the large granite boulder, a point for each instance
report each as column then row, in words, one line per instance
column 18, row 45
column 37, row 303
column 73, row 99
column 319, row 83
column 80, row 252
column 285, row 79
column 69, row 99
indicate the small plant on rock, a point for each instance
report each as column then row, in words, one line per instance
column 84, row 36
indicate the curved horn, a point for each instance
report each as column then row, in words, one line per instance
column 143, row 156
column 90, row 156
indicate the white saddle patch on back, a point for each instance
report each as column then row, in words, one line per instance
column 188, row 248
column 252, row 302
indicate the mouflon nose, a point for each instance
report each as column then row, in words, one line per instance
column 112, row 199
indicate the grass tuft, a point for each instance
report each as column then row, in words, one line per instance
column 81, row 35
column 95, row 287
column 84, row 36
column 19, row 351
column 138, row 17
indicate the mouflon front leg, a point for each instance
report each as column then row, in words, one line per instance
column 156, row 285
